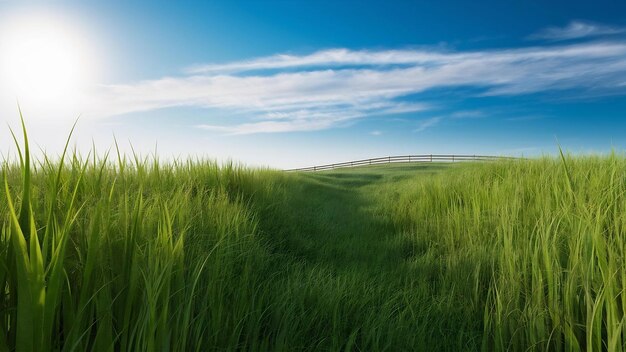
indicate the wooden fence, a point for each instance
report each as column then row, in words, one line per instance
column 405, row 159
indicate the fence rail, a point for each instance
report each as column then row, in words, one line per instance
column 405, row 159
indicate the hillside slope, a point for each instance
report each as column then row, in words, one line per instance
column 193, row 256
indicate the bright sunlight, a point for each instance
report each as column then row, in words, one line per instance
column 43, row 60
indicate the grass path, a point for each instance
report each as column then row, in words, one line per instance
column 345, row 272
column 331, row 218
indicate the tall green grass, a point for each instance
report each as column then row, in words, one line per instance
column 126, row 255
column 107, row 252
column 537, row 246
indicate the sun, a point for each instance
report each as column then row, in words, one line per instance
column 43, row 60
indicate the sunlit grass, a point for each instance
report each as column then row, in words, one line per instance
column 127, row 255
column 538, row 246
column 106, row 252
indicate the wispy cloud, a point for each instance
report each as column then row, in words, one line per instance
column 325, row 58
column 336, row 87
column 576, row 30
column 376, row 133
column 427, row 123
column 468, row 114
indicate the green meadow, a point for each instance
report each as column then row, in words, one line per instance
column 107, row 252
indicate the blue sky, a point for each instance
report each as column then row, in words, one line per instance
column 294, row 83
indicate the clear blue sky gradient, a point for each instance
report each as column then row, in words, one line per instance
column 151, row 40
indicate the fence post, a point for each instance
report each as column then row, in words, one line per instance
column 452, row 157
column 388, row 159
column 370, row 161
column 409, row 158
column 431, row 158
column 314, row 168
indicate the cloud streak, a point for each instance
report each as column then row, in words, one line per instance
column 423, row 125
column 576, row 30
column 336, row 87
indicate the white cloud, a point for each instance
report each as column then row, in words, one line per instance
column 468, row 114
column 328, row 58
column 575, row 30
column 376, row 133
column 336, row 87
column 427, row 123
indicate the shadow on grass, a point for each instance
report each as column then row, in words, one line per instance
column 325, row 220
column 341, row 275
column 330, row 218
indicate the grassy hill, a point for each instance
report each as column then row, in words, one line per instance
column 141, row 255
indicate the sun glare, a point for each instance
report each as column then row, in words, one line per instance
column 43, row 60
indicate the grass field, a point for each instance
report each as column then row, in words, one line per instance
column 114, row 253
